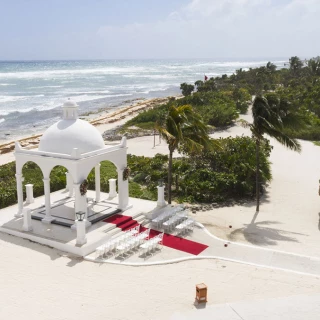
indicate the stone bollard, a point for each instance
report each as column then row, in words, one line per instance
column 112, row 188
column 81, row 232
column 161, row 202
column 29, row 192
column 27, row 226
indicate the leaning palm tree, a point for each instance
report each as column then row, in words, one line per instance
column 270, row 121
column 182, row 127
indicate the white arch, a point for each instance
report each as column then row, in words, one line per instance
column 78, row 166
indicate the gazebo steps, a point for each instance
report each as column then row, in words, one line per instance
column 56, row 222
column 105, row 216
column 114, row 230
column 138, row 215
column 123, row 223
column 61, row 223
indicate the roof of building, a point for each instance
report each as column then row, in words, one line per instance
column 71, row 132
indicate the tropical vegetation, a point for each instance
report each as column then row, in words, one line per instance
column 286, row 106
column 269, row 119
column 184, row 128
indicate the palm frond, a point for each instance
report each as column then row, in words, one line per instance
column 290, row 143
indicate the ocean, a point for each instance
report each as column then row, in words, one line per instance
column 32, row 92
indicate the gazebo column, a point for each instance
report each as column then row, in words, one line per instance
column 77, row 199
column 112, row 188
column 123, row 191
column 69, row 185
column 97, row 181
column 48, row 218
column 19, row 179
column 80, row 204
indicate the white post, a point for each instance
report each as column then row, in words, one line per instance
column 29, row 191
column 48, row 218
column 112, row 188
column 123, row 191
column 69, row 185
column 84, row 205
column 19, row 179
column 80, row 204
column 77, row 199
column 161, row 202
column 97, row 181
column 27, row 226
column 81, row 232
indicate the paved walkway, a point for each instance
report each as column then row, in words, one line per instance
column 235, row 252
column 288, row 308
column 255, row 255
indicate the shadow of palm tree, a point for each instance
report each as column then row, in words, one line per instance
column 260, row 234
column 264, row 198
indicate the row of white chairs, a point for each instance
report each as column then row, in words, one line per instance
column 175, row 220
column 185, row 226
column 113, row 243
column 152, row 244
column 132, row 243
column 165, row 215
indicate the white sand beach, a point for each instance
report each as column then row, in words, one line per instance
column 39, row 282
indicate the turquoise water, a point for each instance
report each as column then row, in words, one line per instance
column 32, row 92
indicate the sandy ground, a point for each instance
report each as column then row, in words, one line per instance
column 40, row 283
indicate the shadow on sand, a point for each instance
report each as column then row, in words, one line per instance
column 259, row 233
column 52, row 253
column 199, row 305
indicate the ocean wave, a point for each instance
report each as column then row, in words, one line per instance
column 58, row 102
column 236, row 64
column 43, row 87
column 153, row 76
column 86, row 92
column 47, row 74
column 85, row 97
column 12, row 98
column 7, row 84
column 2, row 120
column 6, row 112
column 18, row 98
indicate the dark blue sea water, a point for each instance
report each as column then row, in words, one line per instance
column 32, row 92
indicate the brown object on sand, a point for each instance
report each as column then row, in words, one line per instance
column 201, row 293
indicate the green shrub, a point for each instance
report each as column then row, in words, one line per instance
column 205, row 177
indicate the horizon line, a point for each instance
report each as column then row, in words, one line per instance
column 109, row 59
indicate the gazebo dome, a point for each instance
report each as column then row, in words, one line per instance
column 71, row 132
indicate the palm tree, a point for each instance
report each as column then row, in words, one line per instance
column 271, row 67
column 295, row 64
column 182, row 127
column 270, row 121
column 314, row 66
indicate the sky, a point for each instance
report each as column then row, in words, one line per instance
column 154, row 29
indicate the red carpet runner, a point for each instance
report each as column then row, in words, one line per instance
column 126, row 223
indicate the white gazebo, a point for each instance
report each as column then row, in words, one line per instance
column 79, row 147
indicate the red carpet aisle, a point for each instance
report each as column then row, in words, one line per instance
column 192, row 247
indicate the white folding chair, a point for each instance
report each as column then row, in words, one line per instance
column 160, row 241
column 100, row 251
